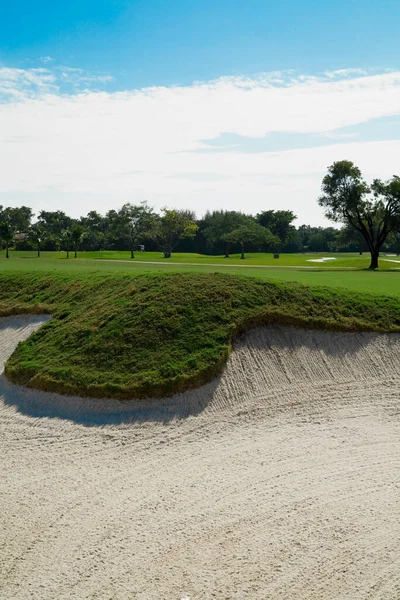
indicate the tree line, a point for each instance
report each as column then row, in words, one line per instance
column 369, row 215
column 218, row 232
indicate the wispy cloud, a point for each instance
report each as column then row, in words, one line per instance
column 340, row 73
column 21, row 84
column 46, row 59
column 99, row 149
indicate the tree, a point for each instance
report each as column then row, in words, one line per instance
column 351, row 240
column 19, row 217
column 373, row 211
column 77, row 235
column 135, row 222
column 251, row 234
column 95, row 226
column 54, row 223
column 394, row 240
column 37, row 236
column 13, row 220
column 279, row 222
column 171, row 227
column 66, row 240
column 7, row 232
column 323, row 239
column 219, row 223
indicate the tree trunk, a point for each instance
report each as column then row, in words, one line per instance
column 132, row 253
column 374, row 260
column 7, row 251
column 167, row 254
column 75, row 252
column 67, row 252
column 242, row 257
column 227, row 251
column 38, row 251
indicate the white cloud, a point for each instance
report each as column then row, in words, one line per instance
column 46, row 59
column 98, row 150
column 345, row 73
column 17, row 85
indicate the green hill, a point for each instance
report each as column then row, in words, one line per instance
column 124, row 336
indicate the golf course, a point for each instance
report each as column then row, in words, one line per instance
column 348, row 271
column 199, row 300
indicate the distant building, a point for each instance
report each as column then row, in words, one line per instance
column 20, row 236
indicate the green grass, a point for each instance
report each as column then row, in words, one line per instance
column 350, row 270
column 342, row 260
column 139, row 334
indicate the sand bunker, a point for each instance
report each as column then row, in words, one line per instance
column 321, row 260
column 280, row 480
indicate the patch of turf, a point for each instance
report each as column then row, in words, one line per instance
column 125, row 336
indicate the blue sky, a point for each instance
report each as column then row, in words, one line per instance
column 154, row 42
column 249, row 101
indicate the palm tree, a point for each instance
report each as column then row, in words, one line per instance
column 7, row 232
column 77, row 235
column 66, row 239
column 37, row 235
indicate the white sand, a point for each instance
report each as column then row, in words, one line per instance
column 321, row 260
column 279, row 481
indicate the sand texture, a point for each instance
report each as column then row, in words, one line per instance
column 280, row 480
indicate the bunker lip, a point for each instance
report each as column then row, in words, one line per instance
column 295, row 340
column 121, row 336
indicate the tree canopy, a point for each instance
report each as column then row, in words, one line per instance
column 279, row 223
column 171, row 227
column 373, row 211
column 252, row 233
column 218, row 224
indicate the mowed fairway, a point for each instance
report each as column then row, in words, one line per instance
column 278, row 480
column 347, row 270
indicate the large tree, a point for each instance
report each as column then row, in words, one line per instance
column 279, row 222
column 218, row 224
column 96, row 227
column 54, row 223
column 77, row 235
column 171, row 227
column 134, row 223
column 66, row 240
column 37, row 235
column 254, row 234
column 373, row 211
column 13, row 220
column 7, row 232
column 19, row 217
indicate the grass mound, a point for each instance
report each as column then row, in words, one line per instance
column 124, row 336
